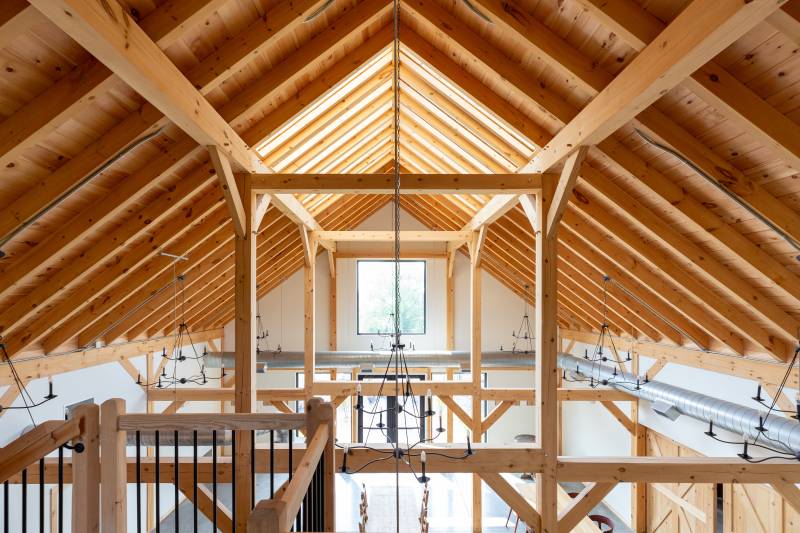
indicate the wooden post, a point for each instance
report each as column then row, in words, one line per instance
column 475, row 366
column 319, row 412
column 113, row 467
column 332, row 341
column 450, row 376
column 150, row 492
column 309, row 309
column 638, row 448
column 546, row 360
column 245, row 346
column 86, row 472
column 450, row 339
column 267, row 517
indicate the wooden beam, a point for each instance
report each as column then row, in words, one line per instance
column 388, row 236
column 245, row 345
column 309, row 319
column 456, row 409
column 675, row 470
column 110, row 34
column 789, row 492
column 262, row 204
column 228, row 184
column 514, row 499
column 582, row 504
column 566, row 182
column 384, row 183
column 499, row 410
column 491, row 211
column 621, row 417
column 36, row 368
column 702, row 30
column 546, row 361
column 200, row 496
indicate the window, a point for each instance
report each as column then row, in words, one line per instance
column 375, row 297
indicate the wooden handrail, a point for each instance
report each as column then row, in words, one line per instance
column 36, row 444
column 301, row 479
column 211, row 421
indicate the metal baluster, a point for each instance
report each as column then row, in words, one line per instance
column 25, row 500
column 252, row 469
column 5, row 507
column 177, row 482
column 138, row 482
column 194, row 470
column 60, row 489
column 214, row 478
column 41, row 495
column 158, row 487
column 272, row 463
column 233, row 481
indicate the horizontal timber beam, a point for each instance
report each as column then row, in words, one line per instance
column 39, row 366
column 514, row 458
column 409, row 183
column 348, row 388
column 388, row 236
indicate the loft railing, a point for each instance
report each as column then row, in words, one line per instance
column 307, row 503
column 23, row 462
column 191, row 452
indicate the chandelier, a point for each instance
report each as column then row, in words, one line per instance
column 396, row 380
column 523, row 337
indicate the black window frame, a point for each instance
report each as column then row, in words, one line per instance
column 424, row 295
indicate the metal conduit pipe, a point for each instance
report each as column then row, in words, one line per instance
column 726, row 415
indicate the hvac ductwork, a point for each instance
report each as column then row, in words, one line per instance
column 726, row 415
column 723, row 414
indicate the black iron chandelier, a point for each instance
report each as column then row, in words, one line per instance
column 396, row 370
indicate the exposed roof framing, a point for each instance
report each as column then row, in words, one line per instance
column 691, row 264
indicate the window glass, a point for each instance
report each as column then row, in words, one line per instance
column 375, row 298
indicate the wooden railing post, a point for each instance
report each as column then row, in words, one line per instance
column 113, row 467
column 86, row 472
column 268, row 517
column 319, row 412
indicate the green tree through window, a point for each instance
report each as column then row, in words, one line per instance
column 375, row 298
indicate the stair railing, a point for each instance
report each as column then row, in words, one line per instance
column 307, row 501
column 24, row 461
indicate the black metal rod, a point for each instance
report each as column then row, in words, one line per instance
column 214, row 478
column 272, row 463
column 233, row 481
column 194, row 471
column 60, row 489
column 158, row 487
column 5, row 507
column 41, row 495
column 252, row 469
column 138, row 482
column 176, row 484
column 25, row 500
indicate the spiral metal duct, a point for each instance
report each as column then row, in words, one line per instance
column 727, row 415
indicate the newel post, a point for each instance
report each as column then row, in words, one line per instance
column 86, row 471
column 318, row 413
column 113, row 467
